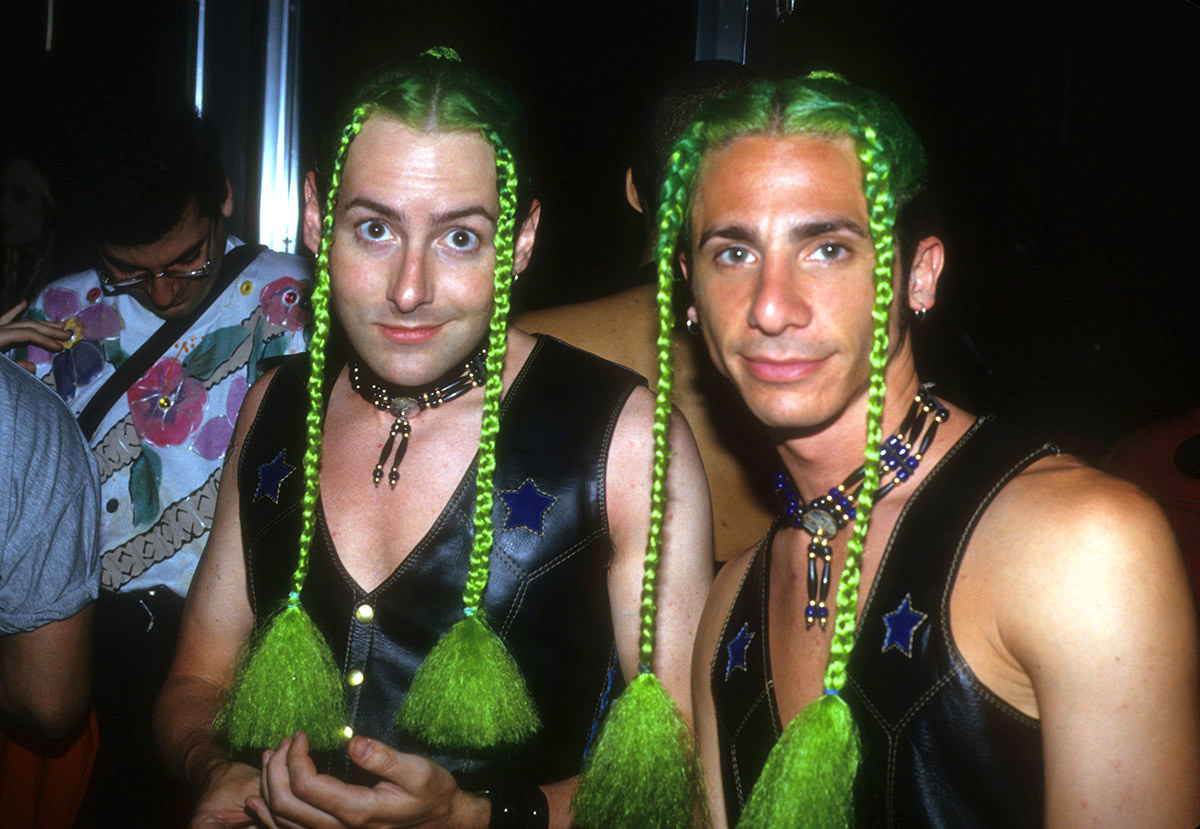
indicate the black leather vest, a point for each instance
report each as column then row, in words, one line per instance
column 547, row 593
column 939, row 749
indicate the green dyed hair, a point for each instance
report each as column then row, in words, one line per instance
column 811, row 770
column 437, row 93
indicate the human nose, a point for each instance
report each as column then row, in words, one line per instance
column 779, row 302
column 162, row 290
column 412, row 284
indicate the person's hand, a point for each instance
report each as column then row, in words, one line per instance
column 222, row 803
column 14, row 332
column 413, row 792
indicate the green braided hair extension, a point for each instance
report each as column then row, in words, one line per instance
column 644, row 771
column 289, row 679
column 469, row 690
column 810, row 772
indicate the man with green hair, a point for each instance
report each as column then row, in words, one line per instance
column 441, row 448
column 956, row 624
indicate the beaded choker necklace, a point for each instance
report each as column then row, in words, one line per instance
column 824, row 516
column 403, row 402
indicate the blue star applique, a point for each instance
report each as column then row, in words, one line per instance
column 902, row 624
column 527, row 507
column 271, row 476
column 737, row 650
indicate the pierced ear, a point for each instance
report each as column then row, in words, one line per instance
column 928, row 260
column 312, row 214
column 525, row 239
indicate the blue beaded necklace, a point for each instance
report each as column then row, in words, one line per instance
column 824, row 516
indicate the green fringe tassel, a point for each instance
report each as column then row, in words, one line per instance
column 289, row 681
column 643, row 772
column 469, row 692
column 808, row 779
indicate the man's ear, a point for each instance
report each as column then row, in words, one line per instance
column 524, row 242
column 928, row 260
column 227, row 206
column 312, row 214
column 631, row 191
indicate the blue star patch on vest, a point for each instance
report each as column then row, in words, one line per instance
column 271, row 476
column 737, row 650
column 527, row 507
column 902, row 624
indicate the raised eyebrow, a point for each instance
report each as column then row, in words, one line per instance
column 451, row 216
column 732, row 233
column 809, row 230
column 373, row 206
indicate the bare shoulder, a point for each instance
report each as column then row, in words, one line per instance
column 1064, row 545
column 1062, row 510
column 621, row 327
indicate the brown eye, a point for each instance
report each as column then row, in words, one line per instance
column 462, row 239
column 374, row 230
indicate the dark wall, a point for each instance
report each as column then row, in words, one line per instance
column 1061, row 136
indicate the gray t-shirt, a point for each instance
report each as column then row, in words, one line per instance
column 49, row 507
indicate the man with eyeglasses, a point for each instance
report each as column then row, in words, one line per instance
column 153, row 350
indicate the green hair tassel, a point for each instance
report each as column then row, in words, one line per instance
column 290, row 681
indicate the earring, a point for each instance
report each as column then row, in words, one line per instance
column 692, row 325
column 919, row 314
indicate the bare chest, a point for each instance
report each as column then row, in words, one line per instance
column 374, row 527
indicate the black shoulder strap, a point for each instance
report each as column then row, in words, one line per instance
column 137, row 363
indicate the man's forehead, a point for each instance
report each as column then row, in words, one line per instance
column 752, row 171
column 388, row 155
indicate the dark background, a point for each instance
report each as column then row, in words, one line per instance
column 1062, row 139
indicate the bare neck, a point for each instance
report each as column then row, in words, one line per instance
column 824, row 457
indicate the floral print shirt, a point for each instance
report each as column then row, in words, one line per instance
column 161, row 446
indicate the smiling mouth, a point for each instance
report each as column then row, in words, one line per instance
column 771, row 370
column 409, row 333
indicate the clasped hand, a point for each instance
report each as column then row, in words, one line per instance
column 412, row 791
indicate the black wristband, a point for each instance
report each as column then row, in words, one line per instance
column 515, row 804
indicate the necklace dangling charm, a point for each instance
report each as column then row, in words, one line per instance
column 823, row 517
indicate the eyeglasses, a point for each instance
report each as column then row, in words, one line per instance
column 114, row 282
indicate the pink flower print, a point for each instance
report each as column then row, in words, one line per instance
column 282, row 302
column 166, row 404
column 82, row 358
column 213, row 438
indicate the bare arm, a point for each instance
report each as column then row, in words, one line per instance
column 686, row 564
column 45, row 673
column 217, row 620
column 1105, row 628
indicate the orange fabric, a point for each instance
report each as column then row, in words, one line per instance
column 42, row 782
